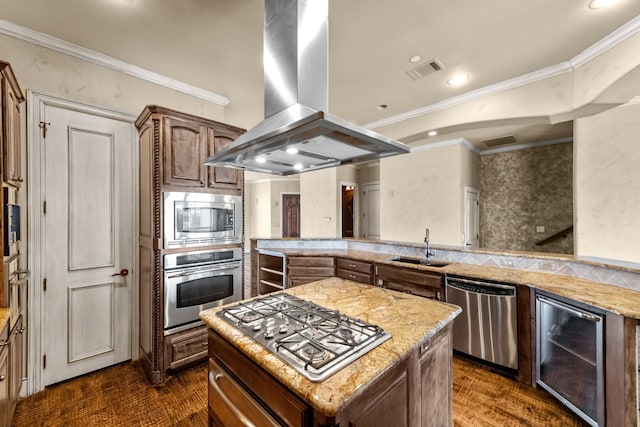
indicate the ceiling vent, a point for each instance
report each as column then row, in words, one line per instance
column 503, row 140
column 426, row 68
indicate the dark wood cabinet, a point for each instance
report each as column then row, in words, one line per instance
column 172, row 149
column 5, row 417
column 423, row 283
column 16, row 343
column 184, row 142
column 12, row 97
column 416, row 391
column 221, row 177
column 307, row 269
column 271, row 272
column 186, row 347
column 184, row 152
column 356, row 270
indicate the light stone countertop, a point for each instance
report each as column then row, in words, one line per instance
column 623, row 301
column 410, row 320
column 4, row 317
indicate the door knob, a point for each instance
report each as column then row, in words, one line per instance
column 124, row 273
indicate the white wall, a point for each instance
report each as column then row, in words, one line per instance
column 421, row 190
column 607, row 185
column 259, row 209
column 319, row 216
column 45, row 70
column 278, row 187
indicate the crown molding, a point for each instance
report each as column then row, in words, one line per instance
column 526, row 146
column 41, row 39
column 628, row 30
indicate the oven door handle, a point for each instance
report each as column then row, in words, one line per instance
column 190, row 271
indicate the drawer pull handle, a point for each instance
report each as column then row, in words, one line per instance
column 352, row 265
column 213, row 380
column 352, row 276
column 2, row 377
column 204, row 344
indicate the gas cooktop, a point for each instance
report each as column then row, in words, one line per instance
column 315, row 341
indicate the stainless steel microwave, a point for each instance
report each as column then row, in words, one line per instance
column 201, row 219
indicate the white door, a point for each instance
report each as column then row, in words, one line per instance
column 371, row 211
column 471, row 218
column 88, row 237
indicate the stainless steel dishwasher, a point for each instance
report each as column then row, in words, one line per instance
column 487, row 328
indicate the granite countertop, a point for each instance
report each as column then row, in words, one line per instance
column 623, row 301
column 411, row 320
column 4, row 317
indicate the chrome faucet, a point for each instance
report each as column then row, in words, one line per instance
column 429, row 253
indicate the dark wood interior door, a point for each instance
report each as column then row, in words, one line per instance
column 290, row 215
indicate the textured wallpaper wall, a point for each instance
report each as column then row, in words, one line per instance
column 524, row 189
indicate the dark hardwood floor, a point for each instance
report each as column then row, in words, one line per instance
column 121, row 396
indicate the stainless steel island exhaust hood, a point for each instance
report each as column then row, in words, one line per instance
column 298, row 134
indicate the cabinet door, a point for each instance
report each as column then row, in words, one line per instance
column 186, row 347
column 15, row 364
column 11, row 130
column 184, row 147
column 221, row 177
column 4, row 378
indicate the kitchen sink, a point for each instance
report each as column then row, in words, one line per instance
column 420, row 261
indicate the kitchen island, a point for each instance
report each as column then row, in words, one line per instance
column 405, row 381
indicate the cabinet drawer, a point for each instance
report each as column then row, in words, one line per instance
column 414, row 289
column 311, row 271
column 310, row 261
column 353, row 265
column 355, row 276
column 425, row 278
column 231, row 404
column 184, row 348
column 301, row 280
column 284, row 405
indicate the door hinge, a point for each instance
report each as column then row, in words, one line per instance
column 44, row 284
column 44, row 207
column 43, row 126
column 44, row 361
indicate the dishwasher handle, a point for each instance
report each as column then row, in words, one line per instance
column 482, row 288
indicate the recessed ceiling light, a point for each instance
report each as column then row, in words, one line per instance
column 597, row 4
column 292, row 150
column 458, row 79
column 298, row 166
column 432, row 133
column 260, row 159
column 382, row 107
column 415, row 58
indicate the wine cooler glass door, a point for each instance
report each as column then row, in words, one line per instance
column 569, row 357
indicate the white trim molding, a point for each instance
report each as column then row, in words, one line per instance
column 41, row 39
column 623, row 33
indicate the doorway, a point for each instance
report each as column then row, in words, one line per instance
column 291, row 215
column 82, row 240
column 348, row 192
column 371, row 211
column 471, row 218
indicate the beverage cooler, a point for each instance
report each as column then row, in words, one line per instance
column 569, row 356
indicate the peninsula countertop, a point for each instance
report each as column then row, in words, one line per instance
column 625, row 302
column 410, row 320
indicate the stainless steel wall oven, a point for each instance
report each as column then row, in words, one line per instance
column 195, row 281
column 201, row 219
